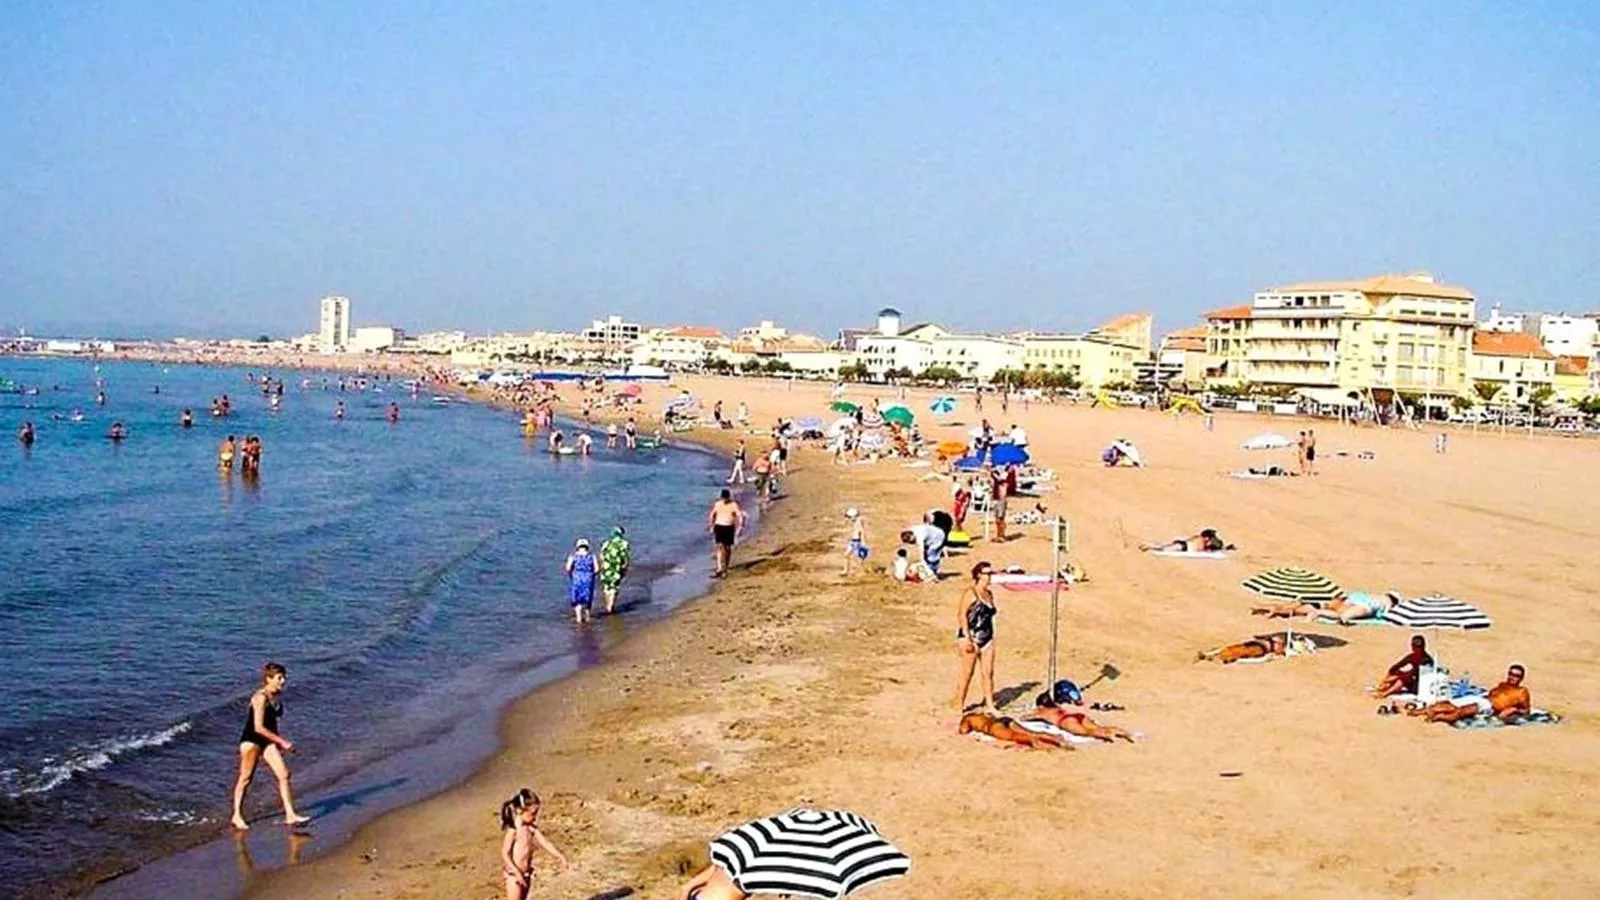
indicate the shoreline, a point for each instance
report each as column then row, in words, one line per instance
column 544, row 720
column 674, row 581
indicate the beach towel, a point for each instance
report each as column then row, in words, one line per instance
column 1192, row 554
column 1038, row 727
column 1033, row 586
column 1018, row 578
column 1535, row 717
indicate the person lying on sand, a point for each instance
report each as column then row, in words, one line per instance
column 1049, row 709
column 1257, row 647
column 1002, row 728
column 1345, row 608
column 1505, row 701
column 711, row 884
column 1207, row 541
column 1402, row 676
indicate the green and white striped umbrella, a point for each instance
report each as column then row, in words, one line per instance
column 1293, row 583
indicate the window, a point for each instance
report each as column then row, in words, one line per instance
column 1402, row 374
column 1406, row 351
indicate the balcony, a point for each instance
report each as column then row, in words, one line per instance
column 1277, row 332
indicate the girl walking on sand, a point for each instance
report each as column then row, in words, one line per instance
column 519, row 820
column 261, row 741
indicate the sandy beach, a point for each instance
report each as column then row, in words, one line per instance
column 790, row 683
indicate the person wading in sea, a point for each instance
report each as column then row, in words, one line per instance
column 261, row 741
column 727, row 520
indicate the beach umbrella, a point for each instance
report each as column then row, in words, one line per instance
column 951, row 448
column 809, row 423
column 872, row 420
column 843, row 406
column 1267, row 442
column 1437, row 611
column 1293, row 583
column 808, row 853
column 943, row 406
column 899, row 415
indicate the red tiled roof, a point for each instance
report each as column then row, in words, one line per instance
column 1187, row 343
column 1231, row 312
column 695, row 331
column 1508, row 343
column 1572, row 365
column 1129, row 320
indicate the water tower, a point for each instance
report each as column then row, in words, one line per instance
column 889, row 322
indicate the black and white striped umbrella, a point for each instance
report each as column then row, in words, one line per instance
column 1436, row 611
column 1293, row 584
column 808, row 853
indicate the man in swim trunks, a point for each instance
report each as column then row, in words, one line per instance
column 1402, row 676
column 1049, row 709
column 1002, row 728
column 1207, row 541
column 726, row 520
column 1506, row 701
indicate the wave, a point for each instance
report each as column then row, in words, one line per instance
column 54, row 772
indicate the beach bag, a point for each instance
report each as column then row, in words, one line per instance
column 1433, row 685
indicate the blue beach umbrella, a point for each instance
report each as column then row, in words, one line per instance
column 943, row 406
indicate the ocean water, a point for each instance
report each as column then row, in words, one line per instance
column 407, row 574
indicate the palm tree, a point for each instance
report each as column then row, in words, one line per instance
column 1486, row 390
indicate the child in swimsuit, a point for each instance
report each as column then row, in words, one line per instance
column 519, row 819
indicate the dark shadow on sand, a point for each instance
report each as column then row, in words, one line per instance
column 1008, row 695
column 348, row 799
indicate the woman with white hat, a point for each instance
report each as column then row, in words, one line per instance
column 581, row 569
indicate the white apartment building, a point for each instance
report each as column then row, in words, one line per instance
column 374, row 338
column 334, row 333
column 976, row 356
column 676, row 347
column 1564, row 335
column 612, row 333
column 1094, row 360
column 1502, row 322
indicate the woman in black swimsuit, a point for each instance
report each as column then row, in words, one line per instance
column 261, row 740
column 975, row 636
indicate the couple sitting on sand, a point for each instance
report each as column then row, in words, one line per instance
column 1048, row 712
column 1507, row 701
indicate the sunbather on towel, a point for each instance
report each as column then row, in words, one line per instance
column 1345, row 608
column 1256, row 648
column 1207, row 541
column 1505, row 701
column 1402, row 676
column 1049, row 709
column 1002, row 728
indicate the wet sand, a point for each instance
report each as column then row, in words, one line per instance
column 790, row 683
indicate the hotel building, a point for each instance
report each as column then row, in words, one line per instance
column 333, row 335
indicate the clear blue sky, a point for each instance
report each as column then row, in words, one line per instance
column 217, row 167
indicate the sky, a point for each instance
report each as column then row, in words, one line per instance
column 216, row 168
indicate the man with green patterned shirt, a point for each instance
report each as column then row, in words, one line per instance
column 615, row 557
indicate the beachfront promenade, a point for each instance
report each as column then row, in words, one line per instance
column 791, row 683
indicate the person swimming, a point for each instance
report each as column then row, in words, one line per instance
column 118, row 432
column 338, row 411
column 394, row 413
column 186, row 420
column 27, row 435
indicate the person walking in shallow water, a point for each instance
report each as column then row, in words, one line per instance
column 261, row 741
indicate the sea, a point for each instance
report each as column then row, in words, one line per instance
column 408, row 574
